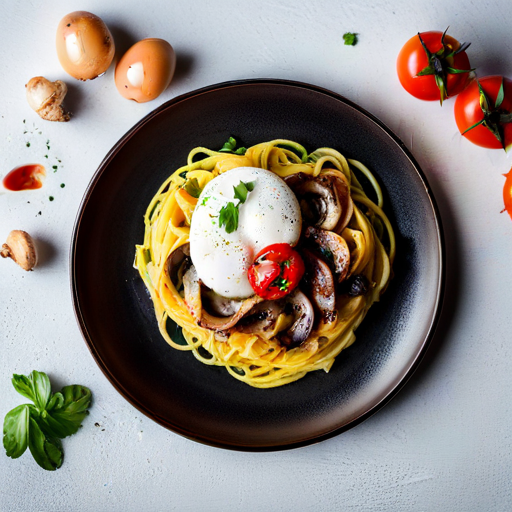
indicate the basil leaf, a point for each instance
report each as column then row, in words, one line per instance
column 23, row 385
column 192, row 187
column 65, row 419
column 47, row 452
column 228, row 217
column 41, row 388
column 16, row 431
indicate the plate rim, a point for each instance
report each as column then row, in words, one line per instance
column 201, row 438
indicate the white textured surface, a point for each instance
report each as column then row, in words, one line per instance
column 443, row 443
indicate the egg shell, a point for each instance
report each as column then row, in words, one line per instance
column 145, row 70
column 85, row 46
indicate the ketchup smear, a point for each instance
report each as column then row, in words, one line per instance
column 25, row 177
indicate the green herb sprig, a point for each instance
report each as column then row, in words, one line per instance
column 229, row 214
column 41, row 426
column 229, row 147
column 192, row 187
column 350, row 38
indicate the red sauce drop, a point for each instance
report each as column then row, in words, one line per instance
column 25, row 177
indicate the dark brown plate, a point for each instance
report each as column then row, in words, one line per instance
column 204, row 403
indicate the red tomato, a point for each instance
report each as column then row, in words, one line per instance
column 276, row 271
column 507, row 193
column 445, row 58
column 495, row 128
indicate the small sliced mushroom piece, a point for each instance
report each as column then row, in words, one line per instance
column 223, row 323
column 333, row 248
column 20, row 247
column 345, row 199
column 304, row 317
column 262, row 318
column 319, row 284
column 219, row 305
column 192, row 290
column 177, row 263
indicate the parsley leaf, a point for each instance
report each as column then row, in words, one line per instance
column 350, row 38
column 229, row 217
column 41, row 426
column 192, row 187
column 230, row 145
column 242, row 189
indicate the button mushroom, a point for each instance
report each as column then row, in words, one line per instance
column 46, row 98
column 20, row 247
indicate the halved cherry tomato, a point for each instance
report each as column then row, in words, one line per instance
column 433, row 66
column 276, row 271
column 483, row 112
column 507, row 193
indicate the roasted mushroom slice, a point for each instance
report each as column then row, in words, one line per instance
column 192, row 290
column 262, row 318
column 177, row 263
column 319, row 285
column 223, row 323
column 344, row 197
column 318, row 199
column 333, row 248
column 304, row 316
column 217, row 304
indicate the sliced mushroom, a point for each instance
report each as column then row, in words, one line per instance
column 219, row 305
column 344, row 197
column 319, row 284
column 324, row 200
column 177, row 263
column 223, row 323
column 333, row 248
column 262, row 318
column 192, row 290
column 304, row 317
column 318, row 199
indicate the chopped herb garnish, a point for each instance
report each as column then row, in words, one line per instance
column 229, row 214
column 62, row 185
column 230, row 145
column 46, row 156
column 281, row 283
column 204, row 201
column 192, row 187
column 228, row 217
column 28, row 144
column 51, row 198
column 242, row 189
column 350, row 38
column 54, row 167
column 183, row 174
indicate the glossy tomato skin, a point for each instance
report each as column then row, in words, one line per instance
column 467, row 111
column 412, row 59
column 276, row 271
column 507, row 193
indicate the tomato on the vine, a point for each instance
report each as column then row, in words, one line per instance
column 483, row 112
column 433, row 66
column 276, row 271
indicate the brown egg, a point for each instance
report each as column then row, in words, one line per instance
column 145, row 70
column 85, row 46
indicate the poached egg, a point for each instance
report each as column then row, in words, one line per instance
column 270, row 215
